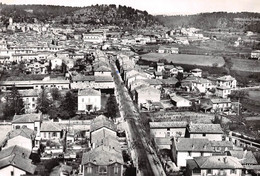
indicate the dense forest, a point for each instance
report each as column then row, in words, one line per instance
column 95, row 14
column 112, row 14
column 28, row 13
column 243, row 20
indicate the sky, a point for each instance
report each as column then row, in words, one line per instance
column 160, row 7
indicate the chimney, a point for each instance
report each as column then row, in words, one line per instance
column 225, row 159
column 205, row 146
column 244, row 154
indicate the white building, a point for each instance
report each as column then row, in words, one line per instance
column 89, row 100
column 187, row 148
column 212, row 132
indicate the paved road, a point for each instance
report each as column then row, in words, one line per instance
column 145, row 158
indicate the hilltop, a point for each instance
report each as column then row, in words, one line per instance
column 95, row 14
column 219, row 20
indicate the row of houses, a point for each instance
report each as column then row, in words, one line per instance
column 190, row 144
column 105, row 156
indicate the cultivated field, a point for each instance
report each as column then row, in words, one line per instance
column 245, row 65
column 200, row 60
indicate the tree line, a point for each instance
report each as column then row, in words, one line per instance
column 52, row 103
column 243, row 20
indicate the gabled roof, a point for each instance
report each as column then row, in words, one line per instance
column 102, row 121
column 24, row 131
column 193, row 145
column 226, row 78
column 27, row 118
column 18, row 162
column 147, row 89
column 110, row 141
column 102, row 156
column 29, row 93
column 89, row 92
column 205, row 128
column 172, row 124
column 15, row 149
column 215, row 162
column 245, row 157
column 50, row 126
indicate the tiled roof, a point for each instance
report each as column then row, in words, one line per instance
column 27, row 118
column 102, row 121
column 102, row 156
column 18, row 150
column 89, row 92
column 220, row 100
column 18, row 162
column 110, row 141
column 103, row 79
column 245, row 157
column 80, row 77
column 205, row 128
column 226, row 78
column 102, row 69
column 163, row 141
column 148, row 89
column 153, row 81
column 221, row 143
column 172, row 124
column 192, row 145
column 216, row 162
column 169, row 81
column 29, row 93
column 50, row 126
column 24, row 131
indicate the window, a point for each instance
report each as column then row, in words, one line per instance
column 44, row 134
column 17, row 127
column 116, row 169
column 189, row 153
column 232, row 171
column 32, row 99
column 196, row 171
column 12, row 173
column 89, row 169
column 54, row 134
column 35, row 128
column 102, row 170
column 209, row 171
column 204, row 134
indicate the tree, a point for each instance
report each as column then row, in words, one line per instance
column 69, row 104
column 43, row 102
column 111, row 107
column 238, row 94
column 14, row 103
column 55, row 94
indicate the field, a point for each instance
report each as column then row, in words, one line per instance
column 252, row 102
column 245, row 65
column 200, row 60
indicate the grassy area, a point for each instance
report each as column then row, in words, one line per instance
column 198, row 60
column 245, row 65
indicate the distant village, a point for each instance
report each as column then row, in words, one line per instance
column 164, row 119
